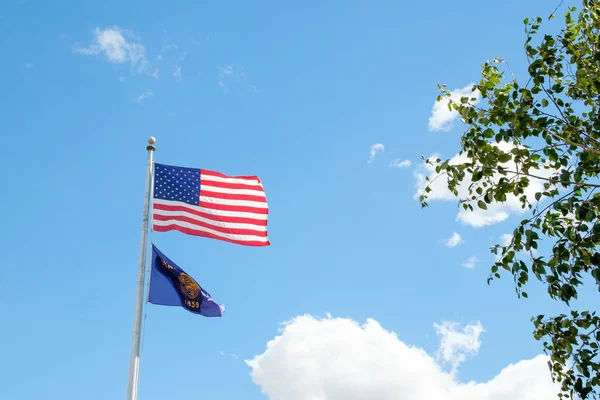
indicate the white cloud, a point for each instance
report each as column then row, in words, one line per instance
column 505, row 239
column 495, row 212
column 144, row 96
column 338, row 359
column 121, row 78
column 456, row 344
column 159, row 57
column 441, row 118
column 232, row 355
column 374, row 149
column 118, row 46
column 28, row 65
column 177, row 73
column 398, row 163
column 471, row 262
column 453, row 240
column 166, row 45
column 228, row 73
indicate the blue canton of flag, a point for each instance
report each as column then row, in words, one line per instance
column 171, row 286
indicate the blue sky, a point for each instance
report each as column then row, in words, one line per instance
column 294, row 93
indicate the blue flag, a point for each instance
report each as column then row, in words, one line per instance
column 171, row 286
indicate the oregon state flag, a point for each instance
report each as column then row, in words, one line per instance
column 171, row 286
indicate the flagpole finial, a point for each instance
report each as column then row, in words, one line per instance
column 151, row 141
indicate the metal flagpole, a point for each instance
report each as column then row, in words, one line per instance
column 134, row 362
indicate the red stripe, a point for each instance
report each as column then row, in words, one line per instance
column 240, row 220
column 220, row 175
column 194, row 232
column 226, row 207
column 193, row 221
column 219, row 195
column 231, row 185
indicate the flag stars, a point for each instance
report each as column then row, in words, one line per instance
column 177, row 184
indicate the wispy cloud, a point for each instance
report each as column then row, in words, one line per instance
column 28, row 65
column 229, row 73
column 441, row 118
column 118, row 46
column 232, row 355
column 471, row 262
column 121, row 78
column 374, row 149
column 144, row 96
column 506, row 239
column 166, row 45
column 398, row 163
column 177, row 73
column 453, row 240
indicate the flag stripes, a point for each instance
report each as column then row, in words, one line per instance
column 233, row 209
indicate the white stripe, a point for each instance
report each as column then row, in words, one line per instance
column 216, row 213
column 232, row 191
column 216, row 233
column 228, row 202
column 206, row 178
column 227, row 225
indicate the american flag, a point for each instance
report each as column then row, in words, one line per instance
column 207, row 203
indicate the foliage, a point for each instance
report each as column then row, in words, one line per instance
column 544, row 133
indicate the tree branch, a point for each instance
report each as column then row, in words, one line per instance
column 581, row 184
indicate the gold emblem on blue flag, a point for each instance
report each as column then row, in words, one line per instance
column 172, row 286
column 189, row 286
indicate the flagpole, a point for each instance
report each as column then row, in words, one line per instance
column 134, row 362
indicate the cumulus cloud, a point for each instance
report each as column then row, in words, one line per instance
column 398, row 163
column 338, row 359
column 471, row 262
column 456, row 343
column 495, row 212
column 374, row 149
column 441, row 118
column 118, row 46
column 453, row 240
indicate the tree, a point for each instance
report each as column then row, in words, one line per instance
column 542, row 134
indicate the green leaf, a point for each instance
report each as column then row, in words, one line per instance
column 590, row 216
column 504, row 158
column 547, row 126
